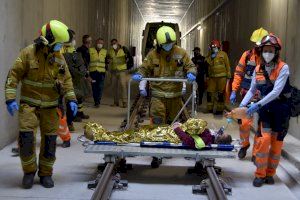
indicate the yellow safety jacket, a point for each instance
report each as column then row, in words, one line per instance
column 41, row 78
column 97, row 60
column 174, row 64
column 118, row 60
column 219, row 66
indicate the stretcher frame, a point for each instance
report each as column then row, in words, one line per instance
column 192, row 96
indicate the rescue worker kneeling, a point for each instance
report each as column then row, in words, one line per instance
column 271, row 78
column 45, row 76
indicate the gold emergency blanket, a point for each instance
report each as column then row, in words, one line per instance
column 96, row 132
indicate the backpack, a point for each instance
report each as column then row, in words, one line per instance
column 129, row 58
column 294, row 102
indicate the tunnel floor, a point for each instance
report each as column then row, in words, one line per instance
column 73, row 169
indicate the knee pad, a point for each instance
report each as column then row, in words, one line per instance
column 26, row 142
column 157, row 120
column 50, row 146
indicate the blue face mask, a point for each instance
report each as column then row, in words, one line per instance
column 57, row 46
column 167, row 47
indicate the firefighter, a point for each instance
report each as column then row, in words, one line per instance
column 218, row 74
column 97, row 69
column 45, row 76
column 271, row 79
column 167, row 60
column 242, row 79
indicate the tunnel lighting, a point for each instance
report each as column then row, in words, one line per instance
column 199, row 28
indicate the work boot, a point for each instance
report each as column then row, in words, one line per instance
column 27, row 181
column 156, row 162
column 97, row 105
column 66, row 144
column 218, row 113
column 114, row 105
column 206, row 111
column 258, row 182
column 77, row 119
column 123, row 105
column 71, row 127
column 243, row 152
column 47, row 181
column 269, row 180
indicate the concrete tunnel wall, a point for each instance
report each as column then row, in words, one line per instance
column 20, row 21
column 235, row 22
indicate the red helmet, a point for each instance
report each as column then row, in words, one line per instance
column 271, row 40
column 215, row 43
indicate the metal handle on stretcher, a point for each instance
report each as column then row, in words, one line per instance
column 192, row 96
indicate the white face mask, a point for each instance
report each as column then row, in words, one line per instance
column 268, row 57
column 73, row 43
column 99, row 46
column 115, row 46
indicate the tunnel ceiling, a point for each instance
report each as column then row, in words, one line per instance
column 163, row 10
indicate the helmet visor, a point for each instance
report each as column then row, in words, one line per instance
column 269, row 40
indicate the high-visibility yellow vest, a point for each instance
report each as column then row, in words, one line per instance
column 118, row 60
column 97, row 60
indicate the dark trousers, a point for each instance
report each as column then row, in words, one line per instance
column 97, row 85
column 201, row 87
column 70, row 117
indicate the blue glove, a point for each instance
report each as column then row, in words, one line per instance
column 253, row 108
column 12, row 107
column 73, row 107
column 233, row 97
column 191, row 77
column 143, row 93
column 137, row 77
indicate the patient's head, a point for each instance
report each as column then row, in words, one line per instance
column 223, row 139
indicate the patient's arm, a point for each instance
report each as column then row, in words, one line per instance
column 185, row 138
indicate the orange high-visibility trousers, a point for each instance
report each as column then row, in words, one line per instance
column 245, row 129
column 63, row 129
column 268, row 153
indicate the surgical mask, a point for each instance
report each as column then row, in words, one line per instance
column 115, row 46
column 215, row 50
column 167, row 47
column 57, row 46
column 99, row 46
column 73, row 43
column 268, row 57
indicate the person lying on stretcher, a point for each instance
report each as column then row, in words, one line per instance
column 201, row 139
column 193, row 133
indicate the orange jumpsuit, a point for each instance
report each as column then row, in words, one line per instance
column 242, row 78
column 274, row 120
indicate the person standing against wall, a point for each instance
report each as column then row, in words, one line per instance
column 118, row 68
column 201, row 66
column 84, row 50
column 218, row 75
column 97, row 69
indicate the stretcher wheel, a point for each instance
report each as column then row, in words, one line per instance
column 156, row 162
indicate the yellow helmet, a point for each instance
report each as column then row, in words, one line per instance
column 258, row 35
column 55, row 32
column 165, row 35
